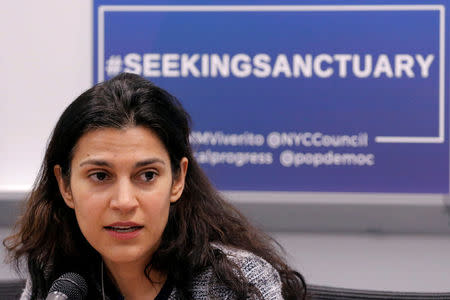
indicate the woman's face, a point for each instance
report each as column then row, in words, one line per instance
column 121, row 186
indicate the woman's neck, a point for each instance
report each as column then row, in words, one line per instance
column 132, row 282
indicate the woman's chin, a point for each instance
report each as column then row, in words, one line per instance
column 125, row 255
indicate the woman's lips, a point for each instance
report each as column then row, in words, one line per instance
column 124, row 230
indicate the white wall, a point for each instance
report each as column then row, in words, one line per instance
column 45, row 62
column 413, row 263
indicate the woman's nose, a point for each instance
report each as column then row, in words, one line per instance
column 124, row 198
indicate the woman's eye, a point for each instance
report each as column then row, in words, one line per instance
column 99, row 176
column 147, row 176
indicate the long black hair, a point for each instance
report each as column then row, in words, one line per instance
column 200, row 218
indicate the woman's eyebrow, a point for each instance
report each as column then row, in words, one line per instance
column 149, row 162
column 97, row 162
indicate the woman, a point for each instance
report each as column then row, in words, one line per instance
column 121, row 201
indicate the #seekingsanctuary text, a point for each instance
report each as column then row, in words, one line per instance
column 263, row 65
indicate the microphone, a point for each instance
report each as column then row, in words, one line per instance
column 69, row 286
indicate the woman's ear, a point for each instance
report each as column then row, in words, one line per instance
column 178, row 183
column 64, row 187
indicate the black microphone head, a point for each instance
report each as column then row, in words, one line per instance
column 71, row 285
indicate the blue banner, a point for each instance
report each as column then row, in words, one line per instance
column 316, row 96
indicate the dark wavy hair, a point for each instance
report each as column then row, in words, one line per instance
column 49, row 240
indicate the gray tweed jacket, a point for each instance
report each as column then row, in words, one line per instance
column 205, row 286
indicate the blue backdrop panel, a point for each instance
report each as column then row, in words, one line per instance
column 323, row 97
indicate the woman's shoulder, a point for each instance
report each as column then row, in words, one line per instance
column 251, row 265
column 257, row 271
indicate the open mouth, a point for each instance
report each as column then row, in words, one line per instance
column 123, row 229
